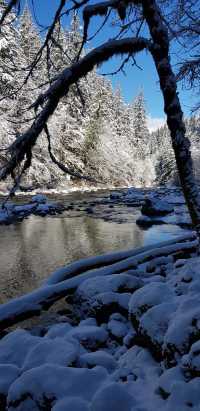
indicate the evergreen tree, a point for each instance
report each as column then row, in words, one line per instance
column 29, row 39
column 141, row 133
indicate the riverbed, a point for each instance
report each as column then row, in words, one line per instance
column 33, row 248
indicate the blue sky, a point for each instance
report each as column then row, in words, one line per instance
column 135, row 78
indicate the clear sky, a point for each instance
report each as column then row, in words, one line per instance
column 135, row 78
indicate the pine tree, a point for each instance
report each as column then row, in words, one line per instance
column 29, row 39
column 141, row 133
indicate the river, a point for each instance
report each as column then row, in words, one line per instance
column 33, row 248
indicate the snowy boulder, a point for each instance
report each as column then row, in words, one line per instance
column 153, row 326
column 191, row 361
column 40, row 388
column 155, row 207
column 8, row 374
column 183, row 330
column 185, row 396
column 111, row 283
column 90, row 337
column 113, row 396
column 102, row 296
column 147, row 297
column 186, row 278
column 52, row 351
column 118, row 329
column 100, row 357
column 39, row 198
column 167, row 380
column 138, row 361
column 58, row 330
column 15, row 346
column 105, row 304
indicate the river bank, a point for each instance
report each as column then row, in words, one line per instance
column 130, row 340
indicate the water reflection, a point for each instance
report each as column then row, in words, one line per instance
column 31, row 250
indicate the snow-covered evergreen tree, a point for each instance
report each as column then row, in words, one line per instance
column 141, row 133
column 93, row 130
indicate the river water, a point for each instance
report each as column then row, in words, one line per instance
column 33, row 248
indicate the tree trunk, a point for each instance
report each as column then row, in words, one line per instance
column 172, row 107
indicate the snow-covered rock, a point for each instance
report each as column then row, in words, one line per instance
column 52, row 351
column 100, row 357
column 113, row 397
column 148, row 297
column 39, row 198
column 15, row 346
column 183, row 330
column 111, row 283
column 155, row 207
column 191, row 361
column 153, row 326
column 89, row 336
column 40, row 387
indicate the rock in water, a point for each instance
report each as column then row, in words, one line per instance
column 154, row 207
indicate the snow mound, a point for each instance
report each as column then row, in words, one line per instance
column 41, row 387
column 55, row 351
column 89, row 336
column 15, row 346
column 101, row 358
column 113, row 283
column 147, row 297
column 113, row 397
column 58, row 330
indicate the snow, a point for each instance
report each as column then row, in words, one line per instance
column 112, row 397
column 155, row 321
column 117, row 328
column 42, row 382
column 99, row 357
column 71, row 403
column 15, row 346
column 39, row 198
column 8, row 374
column 98, row 285
column 58, row 330
column 191, row 361
column 147, row 297
column 38, row 206
column 130, row 350
column 89, row 336
column 54, row 351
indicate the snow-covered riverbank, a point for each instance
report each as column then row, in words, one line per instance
column 130, row 340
